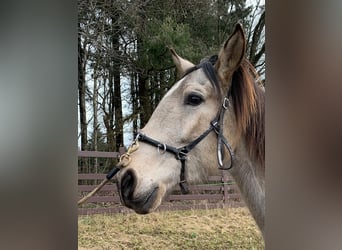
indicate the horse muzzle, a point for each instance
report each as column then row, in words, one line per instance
column 141, row 203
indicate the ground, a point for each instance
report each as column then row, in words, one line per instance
column 230, row 228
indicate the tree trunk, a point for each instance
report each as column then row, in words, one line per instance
column 254, row 54
column 82, row 102
column 144, row 97
column 118, row 126
column 134, row 92
column 143, row 92
column 95, row 121
column 109, row 114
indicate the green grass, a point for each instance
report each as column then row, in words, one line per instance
column 231, row 228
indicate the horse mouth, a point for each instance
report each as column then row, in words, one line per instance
column 143, row 205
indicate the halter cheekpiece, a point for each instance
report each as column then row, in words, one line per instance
column 216, row 125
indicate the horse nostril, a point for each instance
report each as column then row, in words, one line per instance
column 128, row 183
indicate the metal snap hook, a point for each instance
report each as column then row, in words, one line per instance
column 160, row 146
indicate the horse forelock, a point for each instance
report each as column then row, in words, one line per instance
column 207, row 65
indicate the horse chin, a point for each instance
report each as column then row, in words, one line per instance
column 148, row 202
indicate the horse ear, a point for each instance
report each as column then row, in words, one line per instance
column 182, row 65
column 231, row 54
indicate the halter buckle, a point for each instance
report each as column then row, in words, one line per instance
column 215, row 126
column 226, row 103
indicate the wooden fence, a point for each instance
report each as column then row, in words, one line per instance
column 220, row 191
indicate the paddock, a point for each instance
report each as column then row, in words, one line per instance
column 212, row 216
column 226, row 228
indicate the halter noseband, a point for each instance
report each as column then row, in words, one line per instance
column 216, row 125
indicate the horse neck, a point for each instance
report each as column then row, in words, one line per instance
column 250, row 178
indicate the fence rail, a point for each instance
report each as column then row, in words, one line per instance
column 219, row 192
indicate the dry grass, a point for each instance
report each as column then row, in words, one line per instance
column 231, row 228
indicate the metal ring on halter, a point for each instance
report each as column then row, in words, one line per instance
column 225, row 103
column 181, row 155
column 164, row 148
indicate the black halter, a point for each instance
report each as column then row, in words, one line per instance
column 216, row 125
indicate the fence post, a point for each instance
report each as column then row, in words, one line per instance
column 226, row 187
column 122, row 150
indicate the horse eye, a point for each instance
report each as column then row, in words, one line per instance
column 193, row 99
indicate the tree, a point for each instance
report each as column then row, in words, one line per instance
column 124, row 57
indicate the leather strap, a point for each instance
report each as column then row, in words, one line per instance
column 221, row 139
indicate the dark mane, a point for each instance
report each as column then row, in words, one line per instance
column 249, row 106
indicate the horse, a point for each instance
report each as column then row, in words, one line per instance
column 212, row 118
